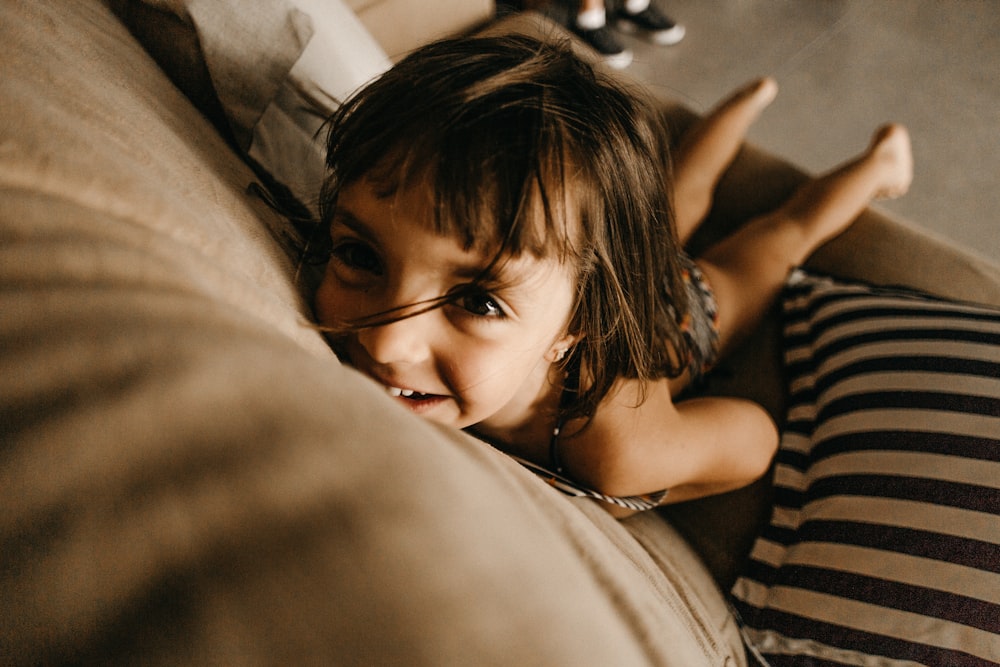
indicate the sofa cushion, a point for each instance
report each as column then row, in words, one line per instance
column 189, row 476
column 884, row 543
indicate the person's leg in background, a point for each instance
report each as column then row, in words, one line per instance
column 641, row 17
column 592, row 24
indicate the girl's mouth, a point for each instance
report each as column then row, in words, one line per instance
column 414, row 400
column 396, row 392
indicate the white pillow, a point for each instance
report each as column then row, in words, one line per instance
column 340, row 57
column 277, row 67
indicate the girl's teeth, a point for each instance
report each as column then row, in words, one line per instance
column 396, row 392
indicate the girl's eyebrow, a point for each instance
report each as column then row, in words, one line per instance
column 486, row 271
column 343, row 216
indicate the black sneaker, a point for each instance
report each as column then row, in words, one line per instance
column 656, row 27
column 604, row 42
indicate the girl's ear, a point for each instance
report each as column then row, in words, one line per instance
column 561, row 347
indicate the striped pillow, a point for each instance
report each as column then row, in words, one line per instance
column 884, row 543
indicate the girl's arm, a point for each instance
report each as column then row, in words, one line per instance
column 694, row 448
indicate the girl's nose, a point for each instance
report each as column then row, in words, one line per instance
column 403, row 341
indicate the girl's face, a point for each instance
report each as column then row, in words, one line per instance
column 485, row 358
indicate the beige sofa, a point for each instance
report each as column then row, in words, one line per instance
column 188, row 474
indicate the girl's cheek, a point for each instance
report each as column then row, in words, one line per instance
column 324, row 302
column 484, row 368
column 334, row 306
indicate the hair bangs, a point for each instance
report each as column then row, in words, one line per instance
column 491, row 147
column 521, row 147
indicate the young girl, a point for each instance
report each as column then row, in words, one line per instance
column 503, row 258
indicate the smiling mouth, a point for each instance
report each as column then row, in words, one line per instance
column 415, row 401
column 396, row 392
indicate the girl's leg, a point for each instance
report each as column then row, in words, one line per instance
column 709, row 147
column 748, row 268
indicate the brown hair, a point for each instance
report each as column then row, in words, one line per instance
column 501, row 128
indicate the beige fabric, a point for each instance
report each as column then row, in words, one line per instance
column 274, row 69
column 107, row 132
column 189, row 476
column 402, row 25
column 232, row 36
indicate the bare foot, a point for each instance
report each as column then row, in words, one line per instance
column 890, row 146
column 825, row 206
column 756, row 96
column 724, row 127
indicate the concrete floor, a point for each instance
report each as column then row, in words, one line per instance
column 845, row 67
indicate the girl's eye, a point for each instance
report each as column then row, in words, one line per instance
column 357, row 257
column 481, row 304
